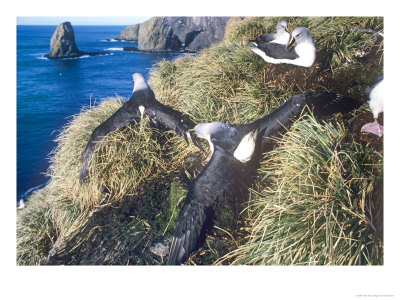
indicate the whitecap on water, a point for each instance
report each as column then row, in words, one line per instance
column 114, row 49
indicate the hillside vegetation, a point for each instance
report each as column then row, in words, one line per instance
column 318, row 196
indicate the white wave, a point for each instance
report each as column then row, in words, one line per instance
column 114, row 49
column 24, row 196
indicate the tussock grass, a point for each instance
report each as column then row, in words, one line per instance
column 124, row 160
column 44, row 223
column 315, row 201
column 336, row 42
column 35, row 231
column 121, row 167
column 223, row 83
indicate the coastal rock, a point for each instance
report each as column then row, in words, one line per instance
column 63, row 45
column 130, row 33
column 157, row 35
column 197, row 33
column 180, row 33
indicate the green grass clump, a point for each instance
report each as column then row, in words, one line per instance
column 314, row 203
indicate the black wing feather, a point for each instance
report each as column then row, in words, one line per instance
column 320, row 103
column 278, row 51
column 216, row 178
column 265, row 38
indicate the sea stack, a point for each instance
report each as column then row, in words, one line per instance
column 62, row 43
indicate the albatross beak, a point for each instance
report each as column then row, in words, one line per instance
column 193, row 138
column 291, row 42
column 287, row 30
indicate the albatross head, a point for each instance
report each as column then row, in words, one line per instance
column 300, row 35
column 206, row 130
column 139, row 83
column 282, row 27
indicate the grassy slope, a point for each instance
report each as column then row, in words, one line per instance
column 228, row 83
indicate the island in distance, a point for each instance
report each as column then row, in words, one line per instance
column 63, row 45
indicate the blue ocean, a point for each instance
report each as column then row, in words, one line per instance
column 49, row 92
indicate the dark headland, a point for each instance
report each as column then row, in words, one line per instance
column 161, row 34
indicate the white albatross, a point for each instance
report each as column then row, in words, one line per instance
column 281, row 36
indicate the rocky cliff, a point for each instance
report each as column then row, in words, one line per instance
column 157, row 35
column 130, row 33
column 176, row 33
column 196, row 33
column 63, row 45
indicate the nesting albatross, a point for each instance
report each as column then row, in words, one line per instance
column 281, row 36
column 142, row 103
column 236, row 150
column 302, row 54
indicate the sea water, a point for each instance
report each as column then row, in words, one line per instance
column 49, row 92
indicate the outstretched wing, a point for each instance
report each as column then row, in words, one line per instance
column 124, row 115
column 129, row 112
column 188, row 229
column 171, row 119
column 217, row 177
column 320, row 103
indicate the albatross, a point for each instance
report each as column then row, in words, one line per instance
column 236, row 150
column 302, row 54
column 374, row 97
column 281, row 36
column 231, row 151
column 142, row 103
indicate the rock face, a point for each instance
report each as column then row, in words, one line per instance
column 196, row 33
column 130, row 33
column 179, row 33
column 157, row 35
column 62, row 43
